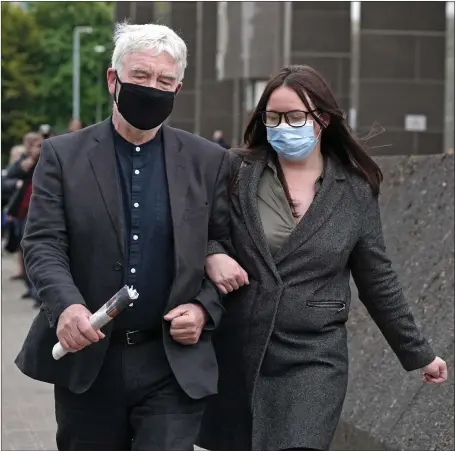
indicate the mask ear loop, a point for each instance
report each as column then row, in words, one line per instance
column 116, row 94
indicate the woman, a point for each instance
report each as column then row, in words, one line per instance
column 305, row 216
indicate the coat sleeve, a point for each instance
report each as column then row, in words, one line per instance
column 381, row 293
column 45, row 242
column 219, row 232
column 234, row 163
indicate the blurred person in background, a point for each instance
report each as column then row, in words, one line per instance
column 21, row 171
column 218, row 137
column 74, row 125
column 45, row 131
column 9, row 186
column 128, row 201
column 305, row 216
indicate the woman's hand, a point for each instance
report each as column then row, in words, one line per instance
column 435, row 372
column 225, row 272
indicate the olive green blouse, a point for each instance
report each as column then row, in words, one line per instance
column 274, row 209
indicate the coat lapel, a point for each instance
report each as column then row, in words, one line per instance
column 104, row 165
column 324, row 204
column 249, row 179
column 177, row 178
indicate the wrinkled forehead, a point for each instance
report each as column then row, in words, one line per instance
column 151, row 63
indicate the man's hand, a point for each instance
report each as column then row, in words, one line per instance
column 74, row 330
column 187, row 322
column 225, row 273
column 435, row 372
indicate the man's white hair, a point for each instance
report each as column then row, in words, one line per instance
column 135, row 38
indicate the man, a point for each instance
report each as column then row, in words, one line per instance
column 128, row 201
column 218, row 137
column 74, row 125
column 21, row 172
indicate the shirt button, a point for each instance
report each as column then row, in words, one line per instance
column 133, row 270
column 135, row 237
column 138, row 149
column 136, row 205
column 137, row 171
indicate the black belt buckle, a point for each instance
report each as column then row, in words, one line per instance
column 128, row 334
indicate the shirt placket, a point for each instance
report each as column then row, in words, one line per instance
column 136, row 208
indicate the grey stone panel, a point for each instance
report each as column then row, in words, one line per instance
column 321, row 6
column 122, row 11
column 184, row 23
column 144, row 12
column 389, row 103
column 184, row 105
column 424, row 16
column 431, row 54
column 429, row 143
column 386, row 404
column 388, row 56
column 320, row 31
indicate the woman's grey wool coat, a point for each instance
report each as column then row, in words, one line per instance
column 282, row 345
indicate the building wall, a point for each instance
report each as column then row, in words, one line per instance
column 402, row 72
column 394, row 66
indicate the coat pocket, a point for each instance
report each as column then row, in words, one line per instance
column 339, row 306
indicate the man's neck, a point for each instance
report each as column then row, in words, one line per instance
column 131, row 134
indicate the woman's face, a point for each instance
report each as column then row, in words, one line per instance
column 285, row 100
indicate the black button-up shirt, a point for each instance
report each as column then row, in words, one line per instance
column 149, row 247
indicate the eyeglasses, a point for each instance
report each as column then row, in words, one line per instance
column 293, row 118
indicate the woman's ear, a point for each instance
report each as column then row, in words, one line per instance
column 325, row 119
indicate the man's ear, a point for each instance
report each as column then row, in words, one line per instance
column 179, row 87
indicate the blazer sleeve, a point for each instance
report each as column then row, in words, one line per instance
column 219, row 232
column 381, row 293
column 234, row 163
column 45, row 242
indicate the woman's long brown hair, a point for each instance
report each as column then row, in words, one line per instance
column 336, row 138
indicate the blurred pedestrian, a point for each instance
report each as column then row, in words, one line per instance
column 74, row 125
column 218, row 137
column 305, row 216
column 45, row 130
column 142, row 383
column 22, row 171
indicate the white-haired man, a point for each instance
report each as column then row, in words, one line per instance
column 128, row 201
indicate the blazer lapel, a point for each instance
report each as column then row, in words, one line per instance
column 249, row 178
column 326, row 200
column 104, row 165
column 177, row 178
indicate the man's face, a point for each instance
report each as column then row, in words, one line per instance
column 145, row 68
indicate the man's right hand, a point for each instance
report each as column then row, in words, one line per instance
column 225, row 273
column 74, row 330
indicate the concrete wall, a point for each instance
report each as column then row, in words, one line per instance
column 387, row 408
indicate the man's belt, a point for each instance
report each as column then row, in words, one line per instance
column 133, row 337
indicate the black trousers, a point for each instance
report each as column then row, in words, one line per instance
column 135, row 404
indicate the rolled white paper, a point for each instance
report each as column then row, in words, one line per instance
column 106, row 313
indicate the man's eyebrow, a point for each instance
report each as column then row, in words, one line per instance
column 168, row 76
column 140, row 70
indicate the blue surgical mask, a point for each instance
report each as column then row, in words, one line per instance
column 292, row 143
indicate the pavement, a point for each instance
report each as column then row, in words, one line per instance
column 28, row 421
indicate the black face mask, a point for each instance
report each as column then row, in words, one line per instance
column 143, row 107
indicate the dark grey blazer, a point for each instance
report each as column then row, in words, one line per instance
column 282, row 345
column 74, row 248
